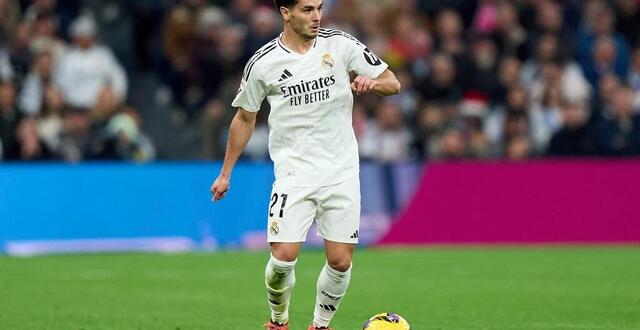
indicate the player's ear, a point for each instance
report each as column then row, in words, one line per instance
column 284, row 11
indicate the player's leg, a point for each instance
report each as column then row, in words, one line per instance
column 333, row 282
column 338, row 224
column 280, row 279
column 290, row 216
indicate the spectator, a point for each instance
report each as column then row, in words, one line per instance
column 20, row 55
column 87, row 68
column 386, row 140
column 213, row 126
column 508, row 75
column 486, row 18
column 476, row 140
column 116, row 133
column 342, row 17
column 547, row 49
column 74, row 138
column 546, row 117
column 634, row 72
column 106, row 106
column 179, row 43
column 62, row 11
column 241, row 10
column 38, row 80
column 509, row 35
column 480, row 77
column 514, row 114
column 602, row 49
column 568, row 77
column 408, row 99
column 449, row 34
column 19, row 135
column 51, row 120
column 451, row 145
column 628, row 13
column 409, row 42
column 605, row 59
column 147, row 23
column 430, row 123
column 10, row 119
column 45, row 36
column 516, row 136
column 549, row 19
column 6, row 70
column 38, row 7
column 440, row 85
column 518, row 148
column 32, row 148
column 264, row 25
column 606, row 92
column 575, row 137
column 620, row 131
column 10, row 13
column 373, row 21
column 123, row 140
column 114, row 22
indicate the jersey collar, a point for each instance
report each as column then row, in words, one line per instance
column 291, row 51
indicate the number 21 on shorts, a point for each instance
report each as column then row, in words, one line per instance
column 274, row 201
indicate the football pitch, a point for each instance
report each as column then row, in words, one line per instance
column 433, row 288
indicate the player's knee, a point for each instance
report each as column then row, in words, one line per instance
column 340, row 264
column 285, row 255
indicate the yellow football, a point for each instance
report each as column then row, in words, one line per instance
column 386, row 321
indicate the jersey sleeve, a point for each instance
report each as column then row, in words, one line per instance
column 252, row 89
column 362, row 60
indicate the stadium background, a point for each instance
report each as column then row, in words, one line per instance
column 518, row 123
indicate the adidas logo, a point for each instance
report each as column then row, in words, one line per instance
column 355, row 235
column 328, row 308
column 285, row 75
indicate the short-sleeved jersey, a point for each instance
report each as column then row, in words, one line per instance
column 311, row 137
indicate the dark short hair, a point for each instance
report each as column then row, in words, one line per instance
column 284, row 3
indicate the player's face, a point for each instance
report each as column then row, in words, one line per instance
column 305, row 18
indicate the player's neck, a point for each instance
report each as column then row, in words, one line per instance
column 296, row 42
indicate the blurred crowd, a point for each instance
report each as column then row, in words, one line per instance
column 481, row 79
column 62, row 95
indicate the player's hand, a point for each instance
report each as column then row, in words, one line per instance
column 362, row 85
column 219, row 188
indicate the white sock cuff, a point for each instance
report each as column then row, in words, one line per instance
column 282, row 264
column 338, row 273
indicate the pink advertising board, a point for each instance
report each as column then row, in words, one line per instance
column 550, row 201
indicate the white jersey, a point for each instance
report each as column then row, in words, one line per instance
column 311, row 138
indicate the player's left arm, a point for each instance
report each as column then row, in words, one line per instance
column 384, row 85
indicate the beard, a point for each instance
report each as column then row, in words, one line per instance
column 305, row 31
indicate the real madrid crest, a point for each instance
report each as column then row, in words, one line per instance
column 274, row 229
column 327, row 61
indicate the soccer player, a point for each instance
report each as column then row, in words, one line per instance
column 304, row 75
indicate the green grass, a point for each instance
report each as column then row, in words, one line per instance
column 434, row 288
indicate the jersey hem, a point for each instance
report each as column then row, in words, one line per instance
column 307, row 182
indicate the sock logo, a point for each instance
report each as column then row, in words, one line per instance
column 274, row 302
column 355, row 235
column 328, row 308
column 332, row 297
column 274, row 293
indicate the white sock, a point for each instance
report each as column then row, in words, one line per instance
column 280, row 278
column 332, row 286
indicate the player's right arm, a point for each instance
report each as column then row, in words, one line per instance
column 239, row 134
column 250, row 95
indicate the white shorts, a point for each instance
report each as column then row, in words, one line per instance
column 335, row 208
